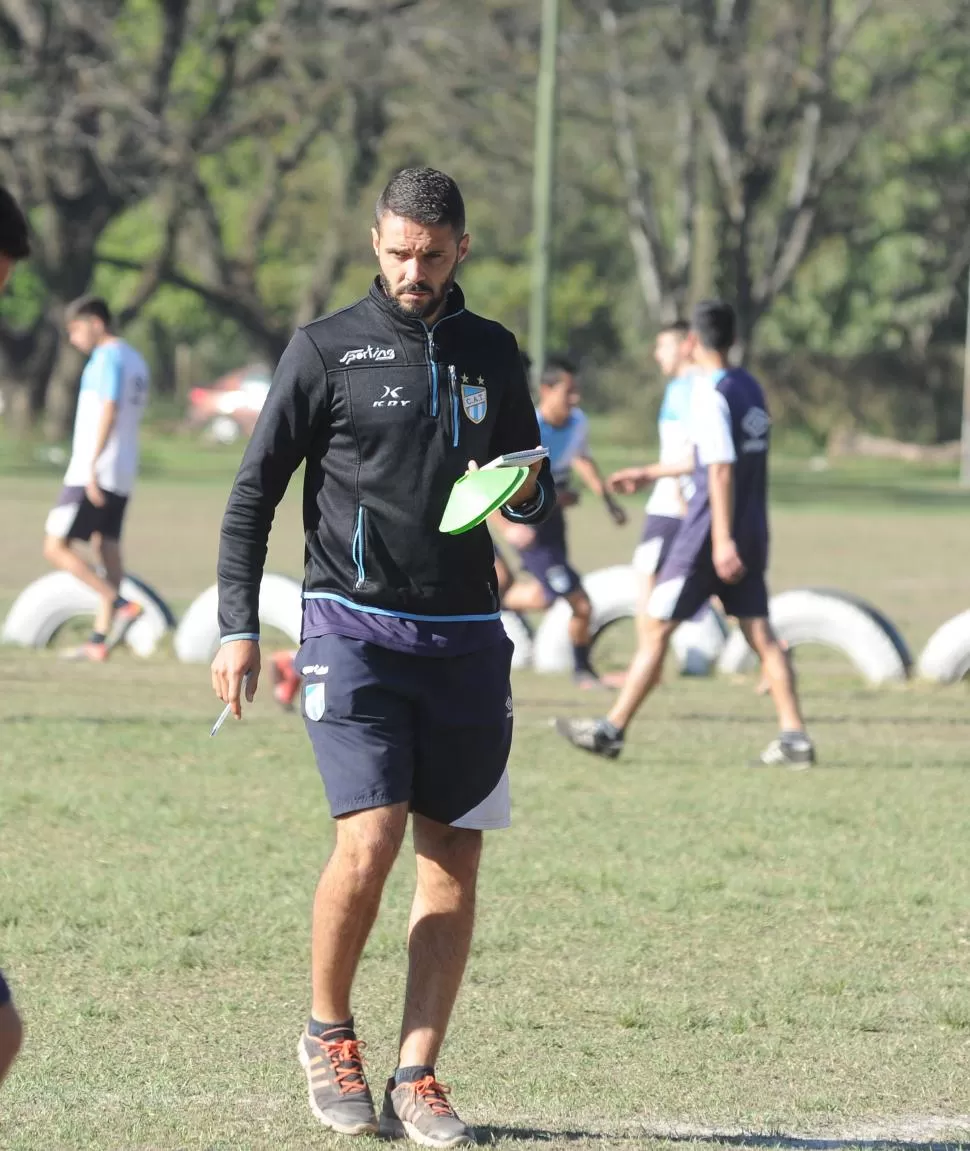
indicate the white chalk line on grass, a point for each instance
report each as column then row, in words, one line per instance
column 909, row 1132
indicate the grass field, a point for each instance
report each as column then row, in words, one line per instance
column 671, row 948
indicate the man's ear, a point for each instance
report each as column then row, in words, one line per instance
column 463, row 244
column 375, row 239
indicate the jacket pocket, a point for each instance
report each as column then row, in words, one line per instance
column 358, row 549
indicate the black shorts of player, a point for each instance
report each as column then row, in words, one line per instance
column 4, row 991
column 680, row 593
column 547, row 559
column 74, row 517
column 388, row 727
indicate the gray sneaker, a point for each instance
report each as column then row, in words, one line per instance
column 589, row 735
column 339, row 1095
column 421, row 1112
column 795, row 753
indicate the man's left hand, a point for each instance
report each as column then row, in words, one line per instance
column 95, row 494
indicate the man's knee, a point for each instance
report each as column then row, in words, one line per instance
column 580, row 603
column 368, row 842
column 760, row 635
column 454, row 851
column 55, row 548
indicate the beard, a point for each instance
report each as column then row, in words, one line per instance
column 427, row 305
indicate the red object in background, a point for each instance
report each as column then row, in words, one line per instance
column 227, row 409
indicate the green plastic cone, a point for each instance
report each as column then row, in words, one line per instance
column 476, row 495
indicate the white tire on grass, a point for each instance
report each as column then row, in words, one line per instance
column 280, row 607
column 520, row 634
column 613, row 593
column 834, row 620
column 946, row 657
column 48, row 603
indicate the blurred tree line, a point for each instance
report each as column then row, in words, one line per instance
column 210, row 166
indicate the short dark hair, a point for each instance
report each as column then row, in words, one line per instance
column 14, row 235
column 424, row 195
column 88, row 306
column 556, row 367
column 681, row 327
column 715, row 325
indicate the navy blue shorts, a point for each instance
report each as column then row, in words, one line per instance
column 74, row 517
column 656, row 540
column 388, row 727
column 550, row 565
column 679, row 594
column 4, row 991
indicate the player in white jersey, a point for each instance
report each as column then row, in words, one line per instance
column 564, row 430
column 102, row 469
column 670, row 475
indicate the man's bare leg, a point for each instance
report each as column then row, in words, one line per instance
column 777, row 672
column 347, row 900
column 439, row 935
column 60, row 554
column 11, row 1037
column 645, row 671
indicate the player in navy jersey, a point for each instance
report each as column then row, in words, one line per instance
column 544, row 549
column 721, row 548
column 14, row 247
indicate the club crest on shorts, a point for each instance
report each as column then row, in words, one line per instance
column 475, row 401
column 315, row 700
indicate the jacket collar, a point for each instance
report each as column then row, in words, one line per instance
column 454, row 304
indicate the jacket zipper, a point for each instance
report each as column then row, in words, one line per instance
column 433, row 367
column 357, row 549
column 455, row 417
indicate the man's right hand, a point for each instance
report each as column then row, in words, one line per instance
column 727, row 562
column 630, row 480
column 234, row 660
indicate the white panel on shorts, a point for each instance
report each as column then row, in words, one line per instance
column 664, row 599
column 493, row 813
column 646, row 557
column 60, row 520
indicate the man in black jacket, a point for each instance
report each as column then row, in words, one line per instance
column 404, row 658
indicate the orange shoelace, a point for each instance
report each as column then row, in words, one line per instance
column 348, row 1065
column 435, row 1095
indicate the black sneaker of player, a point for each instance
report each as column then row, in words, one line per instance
column 592, row 735
column 795, row 751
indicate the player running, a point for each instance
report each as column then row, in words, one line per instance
column 667, row 504
column 721, row 549
column 101, row 471
column 14, row 247
column 543, row 549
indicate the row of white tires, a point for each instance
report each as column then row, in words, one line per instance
column 804, row 616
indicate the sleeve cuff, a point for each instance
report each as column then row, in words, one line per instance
column 527, row 510
column 252, row 635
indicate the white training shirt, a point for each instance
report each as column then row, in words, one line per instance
column 116, row 372
column 710, row 422
column 670, row 493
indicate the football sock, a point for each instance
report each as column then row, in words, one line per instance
column 97, row 637
column 412, row 1074
column 581, row 657
column 331, row 1032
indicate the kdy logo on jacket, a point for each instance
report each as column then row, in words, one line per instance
column 474, row 399
column 354, row 355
